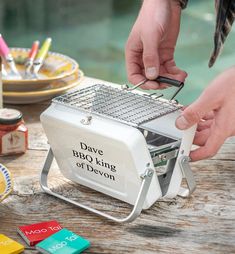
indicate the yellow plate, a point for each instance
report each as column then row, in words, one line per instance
column 55, row 67
column 6, row 184
column 55, row 88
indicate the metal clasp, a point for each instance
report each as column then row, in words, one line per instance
column 86, row 120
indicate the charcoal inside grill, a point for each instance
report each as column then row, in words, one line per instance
column 121, row 105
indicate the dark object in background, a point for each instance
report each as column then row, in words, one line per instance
column 46, row 15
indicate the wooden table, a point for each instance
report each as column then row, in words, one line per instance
column 204, row 223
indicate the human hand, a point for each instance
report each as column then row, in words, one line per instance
column 151, row 43
column 214, row 112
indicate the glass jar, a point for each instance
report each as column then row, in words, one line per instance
column 13, row 132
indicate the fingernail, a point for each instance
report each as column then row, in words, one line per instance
column 151, row 72
column 182, row 123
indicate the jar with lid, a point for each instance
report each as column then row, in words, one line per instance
column 13, row 132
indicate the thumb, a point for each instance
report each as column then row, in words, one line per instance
column 195, row 112
column 151, row 57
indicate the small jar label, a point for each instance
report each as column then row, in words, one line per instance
column 13, row 142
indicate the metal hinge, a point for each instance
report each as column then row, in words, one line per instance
column 188, row 175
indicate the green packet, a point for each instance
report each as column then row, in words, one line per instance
column 63, row 242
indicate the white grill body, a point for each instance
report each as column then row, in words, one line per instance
column 111, row 156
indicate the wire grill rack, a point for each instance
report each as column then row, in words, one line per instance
column 121, row 105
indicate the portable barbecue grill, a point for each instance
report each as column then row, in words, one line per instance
column 120, row 142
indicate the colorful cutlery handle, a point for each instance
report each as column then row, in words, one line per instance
column 44, row 49
column 33, row 51
column 31, row 56
column 4, row 50
column 41, row 56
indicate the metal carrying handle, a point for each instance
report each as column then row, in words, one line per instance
column 135, row 212
column 161, row 79
column 172, row 82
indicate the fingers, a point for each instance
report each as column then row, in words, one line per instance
column 210, row 148
column 167, row 69
column 150, row 85
column 201, row 137
column 209, row 135
column 204, row 124
column 196, row 111
column 151, row 55
column 142, row 61
column 174, row 71
column 210, row 115
column 212, row 138
column 134, row 64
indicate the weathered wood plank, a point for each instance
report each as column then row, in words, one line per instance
column 203, row 223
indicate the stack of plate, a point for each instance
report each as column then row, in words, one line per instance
column 58, row 74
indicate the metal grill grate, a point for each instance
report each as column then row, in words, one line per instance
column 122, row 105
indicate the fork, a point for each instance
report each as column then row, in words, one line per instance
column 38, row 62
column 30, row 59
column 5, row 53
